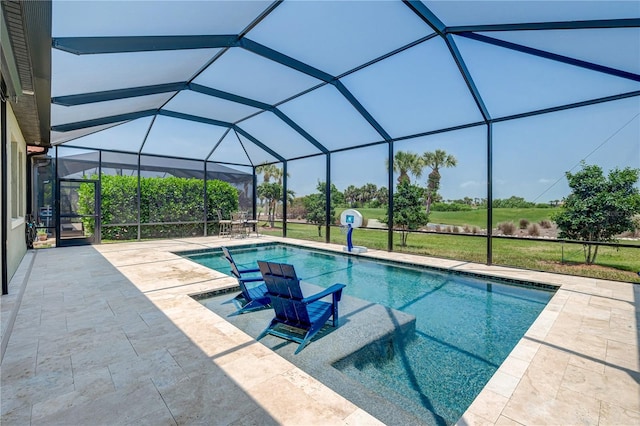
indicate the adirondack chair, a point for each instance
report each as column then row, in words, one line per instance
column 252, row 297
column 307, row 315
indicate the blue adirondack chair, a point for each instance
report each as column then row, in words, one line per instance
column 253, row 296
column 292, row 309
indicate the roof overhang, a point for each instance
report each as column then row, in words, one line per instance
column 26, row 65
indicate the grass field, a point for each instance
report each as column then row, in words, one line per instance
column 620, row 264
column 475, row 217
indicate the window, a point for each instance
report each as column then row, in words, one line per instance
column 14, row 180
column 17, row 193
column 21, row 190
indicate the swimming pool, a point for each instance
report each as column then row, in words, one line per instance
column 465, row 326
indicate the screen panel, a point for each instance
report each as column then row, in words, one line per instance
column 74, row 74
column 254, row 77
column 182, row 138
column 106, row 18
column 193, row 103
column 330, row 118
column 612, row 47
column 127, row 136
column 278, row 135
column 338, row 36
column 520, row 83
column 512, row 12
column 415, row 91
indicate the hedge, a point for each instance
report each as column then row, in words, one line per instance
column 169, row 199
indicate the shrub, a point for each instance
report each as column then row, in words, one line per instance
column 297, row 209
column 512, row 202
column 546, row 224
column 450, row 207
column 507, row 228
column 524, row 223
column 599, row 207
column 408, row 211
column 533, row 230
column 169, row 199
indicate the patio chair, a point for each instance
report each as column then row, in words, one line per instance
column 224, row 225
column 238, row 224
column 252, row 297
column 298, row 318
column 252, row 225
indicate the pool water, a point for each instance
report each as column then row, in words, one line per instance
column 465, row 326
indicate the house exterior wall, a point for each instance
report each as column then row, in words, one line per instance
column 16, row 193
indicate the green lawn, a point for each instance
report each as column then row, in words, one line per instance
column 474, row 217
column 619, row 264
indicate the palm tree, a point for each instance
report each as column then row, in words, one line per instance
column 351, row 195
column 270, row 171
column 368, row 192
column 405, row 163
column 435, row 160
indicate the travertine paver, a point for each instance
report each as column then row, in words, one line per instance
column 108, row 334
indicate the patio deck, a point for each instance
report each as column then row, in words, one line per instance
column 109, row 335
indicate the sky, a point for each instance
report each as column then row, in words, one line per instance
column 414, row 91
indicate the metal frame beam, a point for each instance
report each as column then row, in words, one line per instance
column 285, row 189
column 558, row 25
column 552, row 56
column 489, row 193
column 102, row 120
column 261, row 105
column 258, row 143
column 112, row 95
column 194, row 118
column 327, row 199
column 568, row 106
column 466, row 75
column 285, row 60
column 426, row 15
column 228, row 96
column 221, row 124
column 361, row 110
column 390, row 200
column 300, row 130
column 127, row 44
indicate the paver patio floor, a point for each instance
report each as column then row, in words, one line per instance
column 108, row 334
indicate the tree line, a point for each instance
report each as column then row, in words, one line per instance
column 598, row 208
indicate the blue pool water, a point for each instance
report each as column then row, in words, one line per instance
column 465, row 326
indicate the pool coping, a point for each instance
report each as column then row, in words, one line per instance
column 405, row 264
